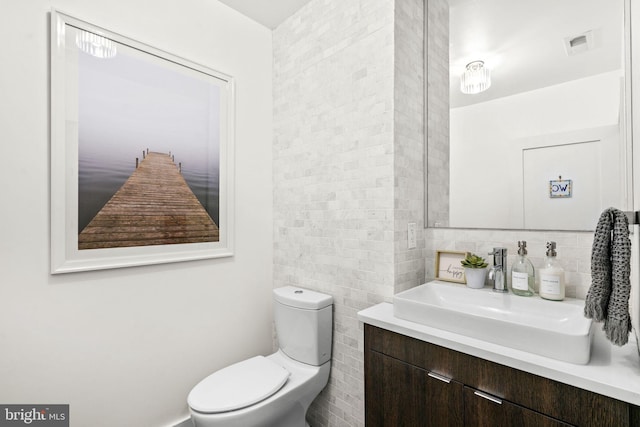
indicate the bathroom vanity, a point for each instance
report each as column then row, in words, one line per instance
column 417, row 375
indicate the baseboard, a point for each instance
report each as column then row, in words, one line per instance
column 185, row 423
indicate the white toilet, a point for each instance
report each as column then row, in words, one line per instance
column 273, row 391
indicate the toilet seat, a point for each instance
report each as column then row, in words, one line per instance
column 238, row 386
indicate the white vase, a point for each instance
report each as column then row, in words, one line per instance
column 475, row 277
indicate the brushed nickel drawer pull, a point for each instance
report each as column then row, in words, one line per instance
column 488, row 397
column 439, row 377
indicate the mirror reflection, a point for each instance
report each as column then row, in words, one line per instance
column 537, row 126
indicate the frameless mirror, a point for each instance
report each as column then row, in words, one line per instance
column 545, row 146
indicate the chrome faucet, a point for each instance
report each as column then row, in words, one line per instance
column 498, row 273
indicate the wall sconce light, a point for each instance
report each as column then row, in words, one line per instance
column 95, row 45
column 476, row 78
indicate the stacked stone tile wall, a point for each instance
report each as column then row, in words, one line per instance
column 408, row 142
column 437, row 66
column 574, row 250
column 334, row 175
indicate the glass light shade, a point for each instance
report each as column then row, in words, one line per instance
column 476, row 78
column 95, row 45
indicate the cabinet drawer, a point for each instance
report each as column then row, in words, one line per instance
column 482, row 410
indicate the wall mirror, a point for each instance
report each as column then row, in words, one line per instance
column 545, row 143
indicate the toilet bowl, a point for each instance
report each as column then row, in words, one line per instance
column 276, row 390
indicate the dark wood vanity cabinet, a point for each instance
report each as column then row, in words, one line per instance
column 409, row 382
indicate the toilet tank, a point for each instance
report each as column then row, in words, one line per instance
column 304, row 324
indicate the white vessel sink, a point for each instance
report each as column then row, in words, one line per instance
column 553, row 329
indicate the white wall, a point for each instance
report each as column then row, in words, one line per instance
column 487, row 141
column 124, row 347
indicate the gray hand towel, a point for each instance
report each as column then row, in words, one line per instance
column 608, row 296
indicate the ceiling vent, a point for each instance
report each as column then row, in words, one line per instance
column 579, row 43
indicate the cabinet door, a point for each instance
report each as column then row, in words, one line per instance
column 483, row 410
column 401, row 395
column 444, row 398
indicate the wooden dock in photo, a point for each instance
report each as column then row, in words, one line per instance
column 155, row 206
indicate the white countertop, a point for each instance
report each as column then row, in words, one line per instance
column 612, row 371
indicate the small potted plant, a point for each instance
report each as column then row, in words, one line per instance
column 475, row 270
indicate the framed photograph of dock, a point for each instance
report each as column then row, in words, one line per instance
column 141, row 153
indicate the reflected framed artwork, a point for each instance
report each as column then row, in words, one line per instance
column 141, row 153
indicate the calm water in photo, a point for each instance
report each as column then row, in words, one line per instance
column 100, row 178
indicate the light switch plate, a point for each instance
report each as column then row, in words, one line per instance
column 411, row 235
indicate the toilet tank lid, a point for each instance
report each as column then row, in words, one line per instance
column 238, row 386
column 302, row 298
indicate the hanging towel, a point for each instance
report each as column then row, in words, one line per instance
column 608, row 296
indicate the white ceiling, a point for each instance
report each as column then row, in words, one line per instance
column 523, row 42
column 269, row 13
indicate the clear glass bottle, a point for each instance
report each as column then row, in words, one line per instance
column 522, row 273
column 552, row 276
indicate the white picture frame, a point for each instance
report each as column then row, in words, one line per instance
column 154, row 99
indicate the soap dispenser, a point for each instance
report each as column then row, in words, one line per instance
column 522, row 273
column 552, row 276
